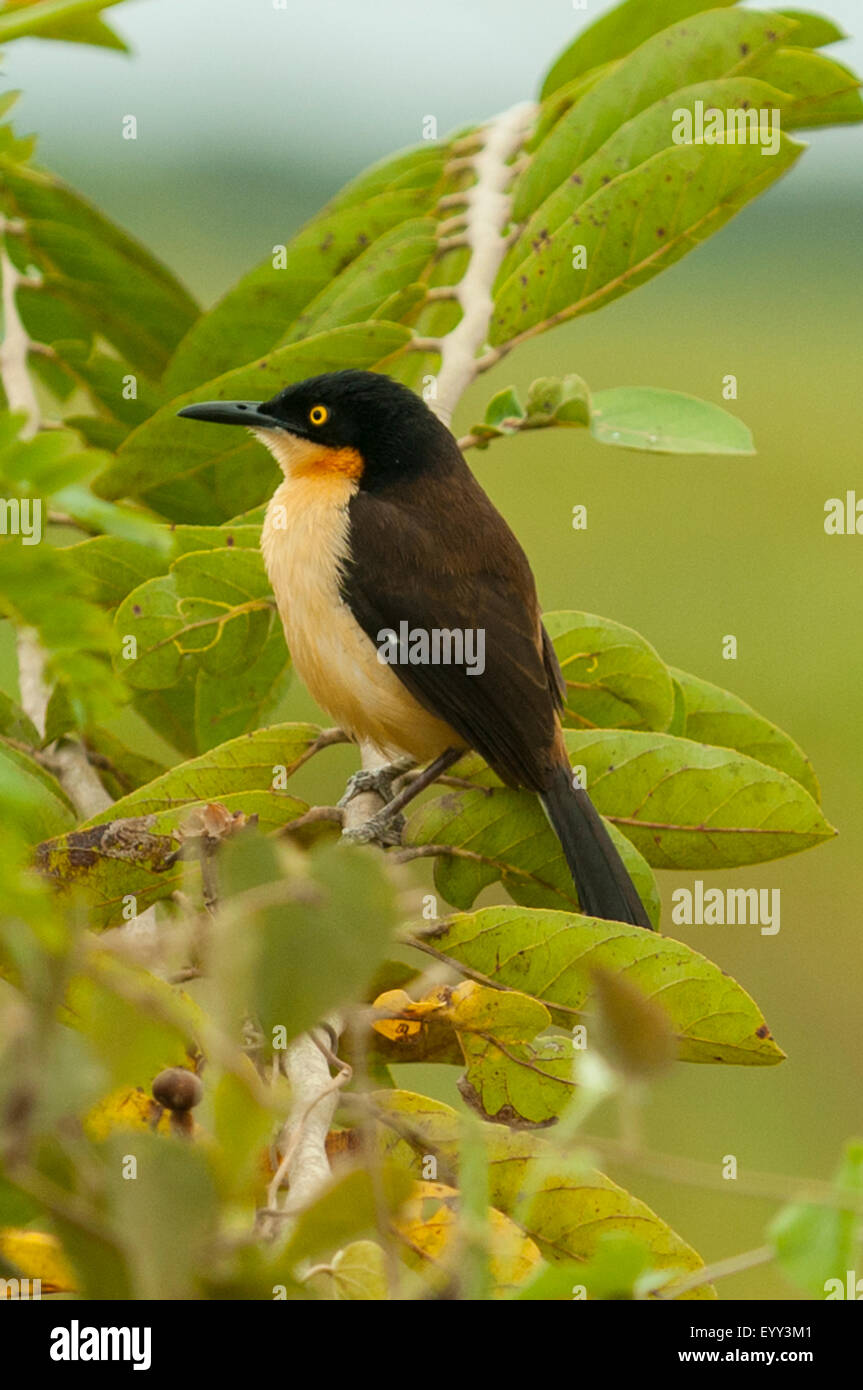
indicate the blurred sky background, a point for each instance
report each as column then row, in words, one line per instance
column 249, row 118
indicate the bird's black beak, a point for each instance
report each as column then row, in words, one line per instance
column 248, row 413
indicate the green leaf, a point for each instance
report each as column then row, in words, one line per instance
column 242, row 1128
column 228, row 535
column 628, row 147
column 402, row 305
column 502, row 408
column 418, row 166
column 666, row 422
column 559, row 102
column 678, row 718
column 558, row 400
column 121, row 770
column 687, row 806
column 50, row 596
column 171, row 713
column 255, row 315
column 806, row 89
column 552, row 956
column 631, row 229
column 563, row 1205
column 504, row 415
column 157, row 662
column 119, row 872
column 214, row 610
column 346, row 1208
column 137, row 1022
column 97, row 431
column 512, row 1076
column 113, row 566
column 617, row 33
column 551, row 400
column 206, row 475
column 59, row 715
column 392, row 263
column 715, row 716
column 30, row 797
column 15, row 725
column 129, row 849
column 242, row 764
column 496, row 834
column 121, row 866
column 821, row 91
column 56, row 19
column 708, row 46
column 107, row 280
column 318, row 940
column 106, row 380
column 47, row 463
column 357, row 1274
column 619, row 1269
column 10, row 146
column 614, row 678
column 238, row 702
column 813, row 30
column 817, row 1246
column 54, row 465
column 173, row 1191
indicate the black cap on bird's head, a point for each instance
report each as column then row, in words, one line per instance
column 386, row 424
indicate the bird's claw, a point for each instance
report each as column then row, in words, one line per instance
column 381, row 829
column 378, row 779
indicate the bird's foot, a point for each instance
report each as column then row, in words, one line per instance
column 383, row 829
column 378, row 779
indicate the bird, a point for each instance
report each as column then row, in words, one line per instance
column 379, row 528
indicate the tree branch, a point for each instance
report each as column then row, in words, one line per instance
column 314, row 1096
column 486, row 218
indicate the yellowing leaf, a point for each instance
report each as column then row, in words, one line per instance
column 410, row 1013
column 430, row 1224
column 38, row 1256
column 129, row 1107
column 563, row 1206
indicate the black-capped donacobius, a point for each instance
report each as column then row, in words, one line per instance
column 387, row 561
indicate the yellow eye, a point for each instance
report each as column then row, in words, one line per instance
column 319, row 414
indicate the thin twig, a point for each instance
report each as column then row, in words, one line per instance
column 735, row 1264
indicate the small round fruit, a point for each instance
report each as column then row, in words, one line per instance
column 177, row 1089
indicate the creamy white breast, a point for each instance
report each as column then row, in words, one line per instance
column 305, row 544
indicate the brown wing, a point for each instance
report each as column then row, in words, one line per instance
column 437, row 555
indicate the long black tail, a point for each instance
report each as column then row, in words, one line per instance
column 604, row 887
